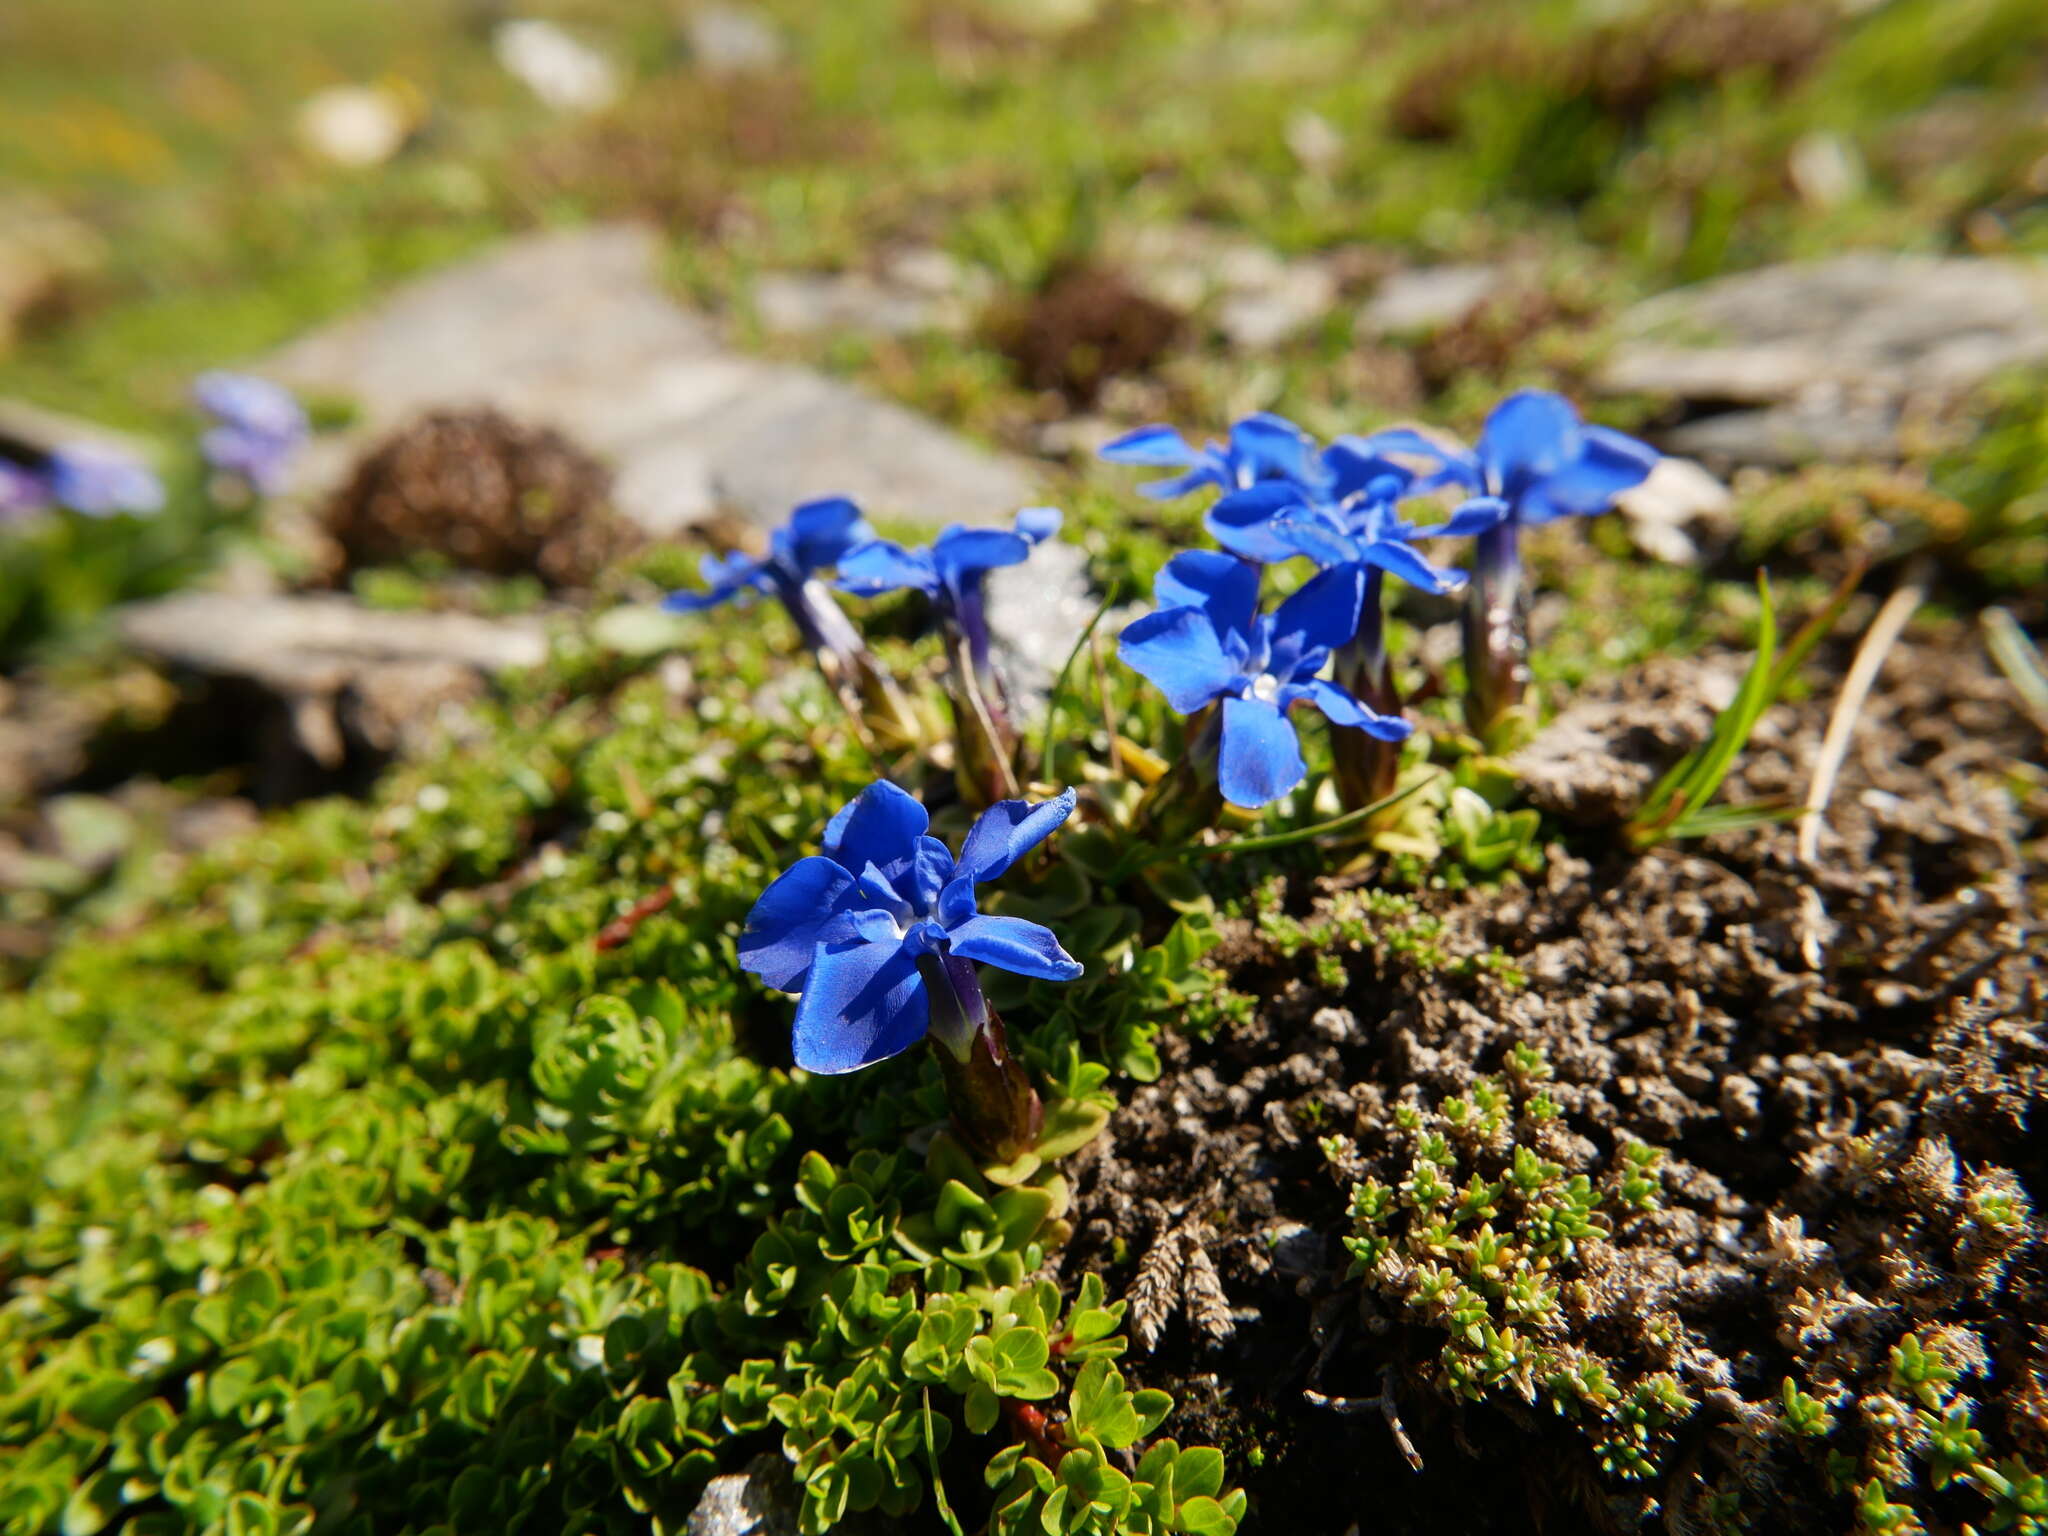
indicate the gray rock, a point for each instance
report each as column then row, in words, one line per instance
column 341, row 672
column 811, row 303
column 918, row 289
column 1900, row 324
column 573, row 330
column 1258, row 298
column 1427, row 298
column 758, row 1502
column 731, row 39
column 1279, row 305
column 1665, row 511
column 1829, row 355
column 1036, row 611
column 1824, row 430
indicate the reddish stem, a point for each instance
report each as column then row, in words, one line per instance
column 620, row 929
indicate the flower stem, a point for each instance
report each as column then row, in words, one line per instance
column 865, row 689
column 995, row 1109
column 1496, row 650
column 985, row 744
column 1367, row 769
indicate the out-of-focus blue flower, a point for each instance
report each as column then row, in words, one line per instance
column 951, row 571
column 814, row 539
column 846, row 930
column 258, row 427
column 1353, row 519
column 1208, row 644
column 102, row 482
column 23, row 493
column 1536, row 456
column 1261, row 447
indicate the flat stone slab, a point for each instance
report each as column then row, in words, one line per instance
column 573, row 330
column 1822, row 359
column 340, row 670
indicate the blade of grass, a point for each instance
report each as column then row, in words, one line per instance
column 1693, row 780
column 1305, row 834
column 1732, row 818
column 1817, row 628
column 931, row 1456
column 2019, row 660
column 1057, row 697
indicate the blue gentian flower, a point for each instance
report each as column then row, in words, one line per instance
column 258, row 427
column 1536, row 456
column 864, row 931
column 817, row 535
column 1352, row 518
column 951, row 572
column 814, row 539
column 1208, row 644
column 23, row 493
column 102, row 482
column 1262, row 447
column 1535, row 462
column 950, row 569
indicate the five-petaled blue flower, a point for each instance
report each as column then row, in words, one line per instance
column 950, row 569
column 1262, row 447
column 257, row 429
column 1207, row 642
column 1537, row 457
column 846, row 929
column 101, row 482
column 1354, row 518
column 814, row 539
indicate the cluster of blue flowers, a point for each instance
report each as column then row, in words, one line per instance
column 255, row 429
column 1340, row 507
column 879, row 935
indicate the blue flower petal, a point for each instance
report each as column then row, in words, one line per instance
column 884, row 566
column 1529, row 437
column 808, row 904
column 880, row 826
column 1156, row 444
column 931, row 867
column 1341, row 709
column 1474, row 516
column 1309, row 531
column 1261, row 757
column 1404, row 562
column 956, row 901
column 1223, row 586
column 1608, row 463
column 961, row 552
column 1008, row 830
column 1355, row 470
column 1204, row 473
column 1269, row 447
column 1177, row 650
column 1012, row 944
column 1324, row 613
column 1242, row 521
column 1037, row 524
column 863, row 1003
column 1453, row 466
column 820, row 532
